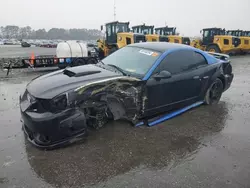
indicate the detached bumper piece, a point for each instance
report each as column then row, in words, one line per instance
column 160, row 119
column 57, row 131
column 49, row 130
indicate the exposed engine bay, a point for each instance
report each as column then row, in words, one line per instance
column 118, row 98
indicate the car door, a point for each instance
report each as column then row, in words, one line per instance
column 181, row 89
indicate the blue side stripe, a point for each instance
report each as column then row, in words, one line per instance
column 173, row 114
column 139, row 124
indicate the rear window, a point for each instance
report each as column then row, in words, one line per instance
column 133, row 60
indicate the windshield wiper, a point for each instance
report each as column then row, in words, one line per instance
column 118, row 68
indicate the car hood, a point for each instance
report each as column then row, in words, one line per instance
column 55, row 83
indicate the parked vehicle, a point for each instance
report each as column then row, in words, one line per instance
column 48, row 44
column 25, row 44
column 137, row 83
column 216, row 40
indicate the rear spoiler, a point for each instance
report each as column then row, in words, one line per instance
column 220, row 56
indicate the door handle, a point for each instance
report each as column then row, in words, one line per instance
column 196, row 77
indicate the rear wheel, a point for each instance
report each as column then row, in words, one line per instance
column 92, row 60
column 214, row 92
column 62, row 66
column 78, row 62
column 213, row 48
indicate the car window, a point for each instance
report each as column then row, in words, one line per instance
column 180, row 61
column 199, row 59
column 133, row 60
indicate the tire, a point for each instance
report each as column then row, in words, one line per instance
column 100, row 54
column 112, row 50
column 214, row 92
column 213, row 48
column 92, row 60
column 62, row 66
column 78, row 62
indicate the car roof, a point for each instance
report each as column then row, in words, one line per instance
column 160, row 46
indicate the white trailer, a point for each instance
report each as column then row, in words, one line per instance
column 73, row 53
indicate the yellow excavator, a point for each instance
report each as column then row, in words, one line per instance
column 244, row 46
column 148, row 30
column 117, row 35
column 170, row 32
column 216, row 40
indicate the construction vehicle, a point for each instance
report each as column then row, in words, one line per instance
column 149, row 32
column 216, row 40
column 170, row 32
column 246, row 33
column 117, row 35
column 244, row 40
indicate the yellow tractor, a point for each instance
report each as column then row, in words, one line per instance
column 244, row 46
column 216, row 40
column 170, row 32
column 149, row 32
column 117, row 35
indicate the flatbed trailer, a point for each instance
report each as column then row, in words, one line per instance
column 45, row 61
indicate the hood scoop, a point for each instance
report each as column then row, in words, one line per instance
column 71, row 73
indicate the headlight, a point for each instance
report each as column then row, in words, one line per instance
column 60, row 102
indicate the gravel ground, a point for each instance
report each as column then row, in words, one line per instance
column 208, row 146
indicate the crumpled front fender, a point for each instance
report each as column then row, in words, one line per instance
column 122, row 95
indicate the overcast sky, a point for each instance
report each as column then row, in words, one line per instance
column 189, row 16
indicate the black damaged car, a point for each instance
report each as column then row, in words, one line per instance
column 138, row 83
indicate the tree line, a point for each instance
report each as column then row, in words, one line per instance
column 16, row 32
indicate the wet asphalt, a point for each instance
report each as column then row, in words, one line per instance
column 208, row 146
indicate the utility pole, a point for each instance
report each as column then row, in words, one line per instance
column 114, row 10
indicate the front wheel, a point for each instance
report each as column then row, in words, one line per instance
column 214, row 92
column 214, row 49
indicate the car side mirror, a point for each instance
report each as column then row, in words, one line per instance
column 163, row 75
